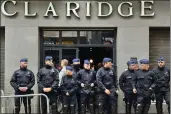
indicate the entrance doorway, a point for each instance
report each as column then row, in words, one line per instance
column 70, row 43
column 95, row 53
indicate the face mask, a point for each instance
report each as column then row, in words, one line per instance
column 76, row 66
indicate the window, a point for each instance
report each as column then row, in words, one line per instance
column 64, row 37
column 69, row 37
column 51, row 37
column 96, row 37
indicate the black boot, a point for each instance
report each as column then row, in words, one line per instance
column 17, row 109
column 100, row 109
column 114, row 109
column 128, row 108
column 65, row 109
column 139, row 109
column 146, row 108
column 159, row 108
column 72, row 109
column 91, row 109
column 54, row 108
column 83, row 109
column 27, row 109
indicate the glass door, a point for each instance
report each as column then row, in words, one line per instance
column 55, row 53
column 69, row 54
column 60, row 53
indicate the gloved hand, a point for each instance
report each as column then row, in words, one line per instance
column 153, row 97
column 151, row 91
column 117, row 91
column 123, row 98
column 82, row 85
column 92, row 85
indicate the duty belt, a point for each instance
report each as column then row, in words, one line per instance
column 144, row 87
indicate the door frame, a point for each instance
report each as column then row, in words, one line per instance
column 60, row 51
column 77, row 55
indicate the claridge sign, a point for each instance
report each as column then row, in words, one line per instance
column 144, row 5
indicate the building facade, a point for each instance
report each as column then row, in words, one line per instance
column 28, row 30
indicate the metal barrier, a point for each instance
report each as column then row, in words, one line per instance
column 29, row 100
column 2, row 93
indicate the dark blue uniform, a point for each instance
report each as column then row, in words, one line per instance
column 69, row 85
column 126, row 85
column 23, row 78
column 106, row 79
column 144, row 83
column 87, row 77
column 48, row 77
column 162, row 90
column 76, row 69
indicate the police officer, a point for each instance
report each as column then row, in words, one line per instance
column 76, row 66
column 68, row 87
column 162, row 89
column 22, row 81
column 126, row 85
column 106, row 81
column 87, row 80
column 136, row 66
column 144, row 87
column 48, row 81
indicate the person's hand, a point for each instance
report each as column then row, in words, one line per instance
column 23, row 89
column 92, row 85
column 47, row 89
column 67, row 94
column 82, row 85
column 134, row 91
column 107, row 92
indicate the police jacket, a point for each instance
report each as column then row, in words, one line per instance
column 86, row 77
column 48, row 77
column 106, row 79
column 22, row 78
column 68, row 84
column 162, row 81
column 75, row 72
column 125, row 81
column 144, row 82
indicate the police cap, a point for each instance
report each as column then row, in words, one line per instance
column 69, row 68
column 24, row 60
column 144, row 61
column 130, row 62
column 48, row 58
column 76, row 60
column 134, row 60
column 160, row 59
column 86, row 61
column 107, row 60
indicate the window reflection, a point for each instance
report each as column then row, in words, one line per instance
column 96, row 37
column 69, row 37
column 105, row 37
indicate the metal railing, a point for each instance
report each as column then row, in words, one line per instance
column 8, row 103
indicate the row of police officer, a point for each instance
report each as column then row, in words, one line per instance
column 82, row 82
column 139, row 86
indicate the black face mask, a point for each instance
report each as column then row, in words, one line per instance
column 76, row 66
column 106, row 68
column 131, row 70
column 161, row 68
column 23, row 68
column 47, row 66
